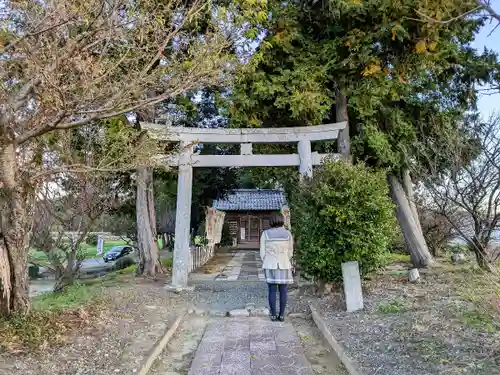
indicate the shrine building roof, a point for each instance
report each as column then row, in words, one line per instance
column 252, row 200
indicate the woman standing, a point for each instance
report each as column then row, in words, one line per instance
column 276, row 251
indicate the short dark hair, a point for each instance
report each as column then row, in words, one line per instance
column 276, row 221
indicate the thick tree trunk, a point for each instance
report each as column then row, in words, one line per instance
column 344, row 141
column 408, row 189
column 64, row 280
column 15, row 225
column 164, row 241
column 482, row 258
column 146, row 224
column 412, row 232
column 66, row 275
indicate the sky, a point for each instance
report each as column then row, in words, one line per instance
column 489, row 103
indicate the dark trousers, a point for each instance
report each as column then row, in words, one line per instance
column 273, row 288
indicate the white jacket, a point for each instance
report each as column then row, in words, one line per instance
column 276, row 249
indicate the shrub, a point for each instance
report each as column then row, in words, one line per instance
column 91, row 239
column 398, row 244
column 343, row 214
column 226, row 238
column 123, row 263
column 33, row 271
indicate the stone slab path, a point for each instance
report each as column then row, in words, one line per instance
column 236, row 265
column 245, row 265
column 250, row 346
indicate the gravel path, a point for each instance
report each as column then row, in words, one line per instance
column 228, row 295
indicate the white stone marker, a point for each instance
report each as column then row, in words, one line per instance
column 414, row 275
column 352, row 286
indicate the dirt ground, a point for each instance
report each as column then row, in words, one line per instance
column 449, row 323
column 135, row 313
column 180, row 351
column 134, row 317
column 322, row 358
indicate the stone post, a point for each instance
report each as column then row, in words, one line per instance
column 183, row 219
column 352, row 286
column 305, row 167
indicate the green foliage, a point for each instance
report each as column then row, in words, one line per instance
column 123, row 263
column 343, row 214
column 168, row 263
column 480, row 319
column 394, row 257
column 408, row 81
column 393, row 306
column 92, row 239
column 226, row 238
column 33, row 271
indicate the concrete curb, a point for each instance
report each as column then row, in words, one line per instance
column 348, row 363
column 160, row 345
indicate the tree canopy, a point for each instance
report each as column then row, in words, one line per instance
column 401, row 72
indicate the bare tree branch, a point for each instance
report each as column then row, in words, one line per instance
column 471, row 187
column 483, row 7
column 72, row 65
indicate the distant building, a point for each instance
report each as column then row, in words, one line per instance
column 248, row 212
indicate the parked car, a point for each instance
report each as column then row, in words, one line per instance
column 117, row 252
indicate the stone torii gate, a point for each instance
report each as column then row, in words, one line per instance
column 186, row 160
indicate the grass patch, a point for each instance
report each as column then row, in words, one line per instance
column 433, row 349
column 90, row 251
column 481, row 291
column 391, row 258
column 480, row 319
column 114, row 278
column 130, row 270
column 167, row 263
column 75, row 296
column 394, row 306
column 52, row 317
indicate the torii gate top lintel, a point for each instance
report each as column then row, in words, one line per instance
column 244, row 135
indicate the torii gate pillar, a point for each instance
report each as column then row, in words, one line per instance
column 305, row 156
column 183, row 219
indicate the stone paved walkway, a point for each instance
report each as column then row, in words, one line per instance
column 250, row 346
column 237, row 265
